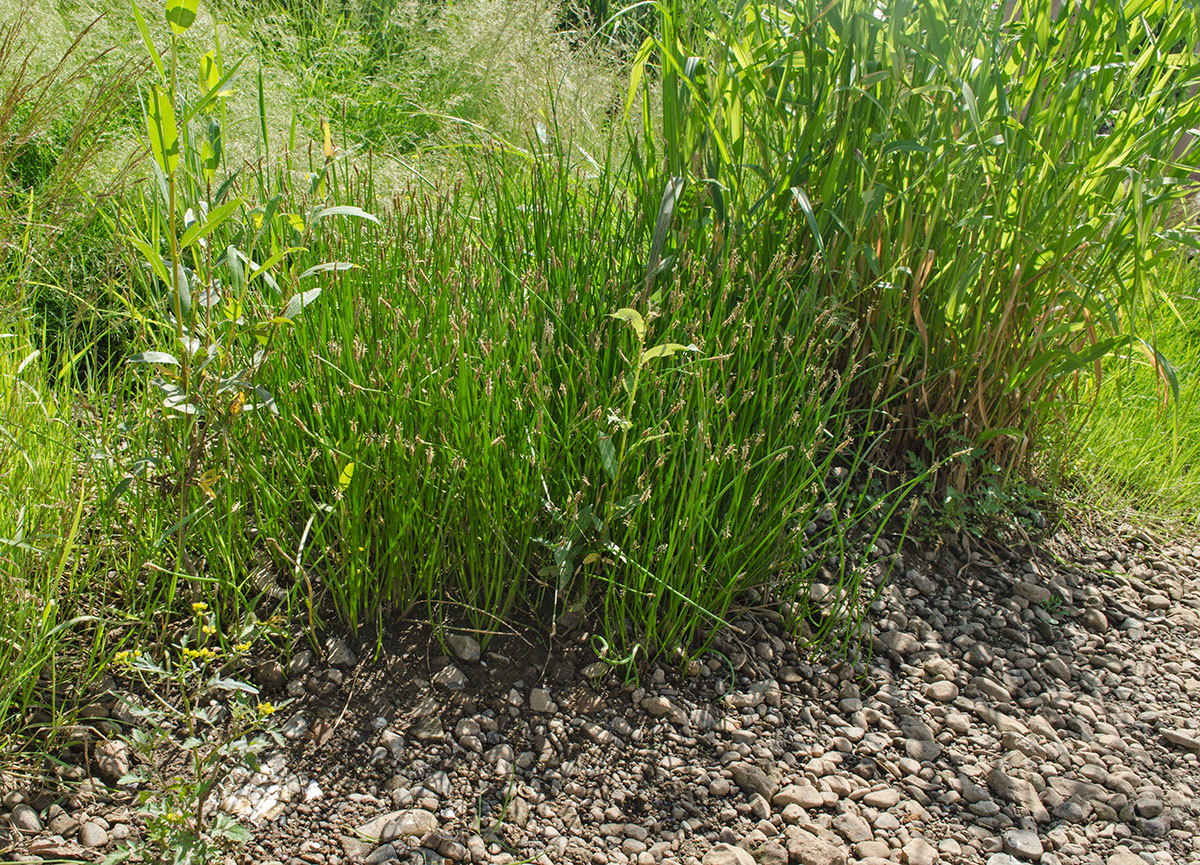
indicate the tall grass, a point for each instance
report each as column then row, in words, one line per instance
column 1136, row 441
column 52, row 123
column 462, row 425
column 977, row 198
column 828, row 249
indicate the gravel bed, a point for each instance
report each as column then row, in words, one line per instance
column 1015, row 707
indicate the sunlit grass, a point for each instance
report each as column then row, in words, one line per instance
column 1139, row 449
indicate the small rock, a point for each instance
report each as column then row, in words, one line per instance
column 1032, row 592
column 661, row 707
column 753, row 780
column 1072, row 812
column 296, row 726
column 382, row 853
column 112, row 760
column 466, row 648
column 771, row 853
column 727, row 854
column 1182, row 740
column 25, row 818
column 806, row 848
column 942, row 692
column 269, row 675
column 1019, row 792
column 1123, row 856
column 539, row 701
column 1057, row 668
column 427, row 729
column 883, row 799
column 1023, row 844
column 63, row 824
column 918, row 851
column 340, row 654
column 852, row 827
column 394, row 742
column 439, row 784
column 451, row 678
column 922, row 751
column 900, row 642
column 805, row 796
column 453, row 850
column 980, row 655
column 1094, row 620
column 92, row 835
column 991, row 688
column 1148, row 807
column 300, row 663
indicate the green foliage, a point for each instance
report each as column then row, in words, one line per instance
column 829, row 258
column 1132, row 440
column 975, row 198
column 229, row 731
column 225, row 310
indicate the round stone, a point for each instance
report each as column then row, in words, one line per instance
column 1023, row 844
column 942, row 692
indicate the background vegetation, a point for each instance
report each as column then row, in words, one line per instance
column 494, row 312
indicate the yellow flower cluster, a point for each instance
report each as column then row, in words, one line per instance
column 199, row 607
column 266, row 709
column 242, row 647
column 126, row 658
column 208, row 630
column 202, row 655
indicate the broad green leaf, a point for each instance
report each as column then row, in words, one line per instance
column 809, row 215
column 335, row 266
column 625, row 506
column 180, row 404
column 299, row 301
column 147, row 41
column 29, row 358
column 345, row 210
column 608, row 456
column 347, row 474
column 160, row 124
column 154, row 357
column 633, row 318
column 226, row 684
column 216, row 91
column 662, row 226
column 664, row 349
column 214, row 221
column 190, row 345
column 208, row 159
column 210, row 72
column 181, row 14
column 272, row 261
column 638, row 73
column 212, row 151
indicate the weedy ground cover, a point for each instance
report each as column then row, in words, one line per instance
column 813, row 258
